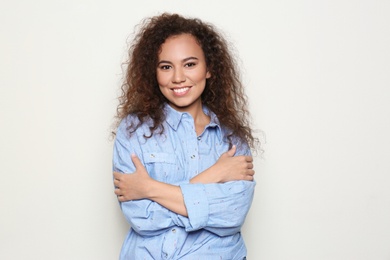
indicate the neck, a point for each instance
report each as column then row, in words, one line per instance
column 200, row 118
column 197, row 112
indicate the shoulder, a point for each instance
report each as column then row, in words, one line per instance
column 243, row 148
column 241, row 144
column 131, row 124
column 128, row 121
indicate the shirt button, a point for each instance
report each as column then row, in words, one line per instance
column 192, row 156
column 173, row 230
column 199, row 138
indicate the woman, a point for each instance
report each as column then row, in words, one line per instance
column 185, row 138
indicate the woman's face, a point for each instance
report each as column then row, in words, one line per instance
column 182, row 72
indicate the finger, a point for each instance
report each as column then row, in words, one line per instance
column 250, row 165
column 117, row 192
column 249, row 158
column 250, row 178
column 137, row 162
column 116, row 183
column 117, row 175
column 232, row 151
column 249, row 175
column 121, row 198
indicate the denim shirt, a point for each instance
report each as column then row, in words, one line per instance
column 216, row 211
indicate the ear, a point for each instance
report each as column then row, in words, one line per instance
column 208, row 74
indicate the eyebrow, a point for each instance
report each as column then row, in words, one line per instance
column 184, row 60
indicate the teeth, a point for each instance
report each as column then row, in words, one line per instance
column 180, row 90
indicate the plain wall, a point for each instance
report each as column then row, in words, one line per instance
column 318, row 79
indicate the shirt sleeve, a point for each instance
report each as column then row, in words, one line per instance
column 220, row 208
column 146, row 217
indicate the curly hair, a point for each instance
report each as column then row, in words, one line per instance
column 223, row 93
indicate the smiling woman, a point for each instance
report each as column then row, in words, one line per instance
column 182, row 74
column 184, row 143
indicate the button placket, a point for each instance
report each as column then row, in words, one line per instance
column 192, row 144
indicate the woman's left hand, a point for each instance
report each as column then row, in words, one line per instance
column 132, row 186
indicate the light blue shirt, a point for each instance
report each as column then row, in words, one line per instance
column 216, row 211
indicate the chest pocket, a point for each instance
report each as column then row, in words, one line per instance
column 160, row 166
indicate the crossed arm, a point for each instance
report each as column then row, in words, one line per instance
column 140, row 185
column 216, row 200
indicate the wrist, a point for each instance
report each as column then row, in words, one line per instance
column 151, row 189
column 208, row 176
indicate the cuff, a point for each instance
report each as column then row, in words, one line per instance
column 197, row 205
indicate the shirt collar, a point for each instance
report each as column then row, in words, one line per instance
column 174, row 117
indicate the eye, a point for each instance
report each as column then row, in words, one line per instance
column 165, row 67
column 190, row 64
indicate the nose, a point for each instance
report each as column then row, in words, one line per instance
column 178, row 76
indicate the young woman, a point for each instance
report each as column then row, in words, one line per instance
column 185, row 140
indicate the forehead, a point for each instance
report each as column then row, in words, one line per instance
column 179, row 47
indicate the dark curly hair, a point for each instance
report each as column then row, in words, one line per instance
column 223, row 93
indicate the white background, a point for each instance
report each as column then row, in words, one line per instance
column 318, row 78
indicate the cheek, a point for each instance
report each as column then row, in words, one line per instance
column 162, row 79
column 200, row 76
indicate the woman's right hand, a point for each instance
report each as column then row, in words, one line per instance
column 228, row 168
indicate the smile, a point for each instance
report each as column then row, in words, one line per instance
column 180, row 90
